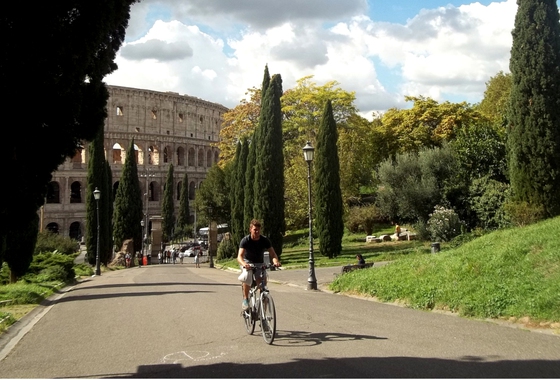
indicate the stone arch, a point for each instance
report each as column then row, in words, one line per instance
column 117, row 153
column 153, row 191
column 191, row 157
column 178, row 192
column 216, row 157
column 75, row 231
column 200, row 157
column 76, row 192
column 208, row 158
column 167, row 156
column 180, row 156
column 53, row 227
column 53, row 192
column 192, row 187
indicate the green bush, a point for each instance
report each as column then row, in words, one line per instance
column 486, row 199
column 444, row 224
column 523, row 213
column 83, row 270
column 226, row 250
column 364, row 219
column 51, row 242
column 41, row 263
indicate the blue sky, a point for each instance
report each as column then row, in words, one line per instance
column 382, row 50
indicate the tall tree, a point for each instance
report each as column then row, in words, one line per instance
column 249, row 193
column 128, row 204
column 328, row 197
column 237, row 185
column 534, row 109
column 95, row 180
column 86, row 39
column 269, row 172
column 168, row 206
column 496, row 98
column 184, row 211
column 107, row 239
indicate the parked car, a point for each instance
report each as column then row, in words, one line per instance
column 192, row 251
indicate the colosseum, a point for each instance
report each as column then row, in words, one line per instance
column 167, row 128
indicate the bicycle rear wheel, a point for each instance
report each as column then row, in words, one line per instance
column 268, row 318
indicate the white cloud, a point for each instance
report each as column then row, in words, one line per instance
column 444, row 52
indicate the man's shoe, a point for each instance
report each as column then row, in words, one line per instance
column 245, row 305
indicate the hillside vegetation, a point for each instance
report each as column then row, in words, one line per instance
column 512, row 273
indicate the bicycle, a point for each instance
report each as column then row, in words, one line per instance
column 261, row 307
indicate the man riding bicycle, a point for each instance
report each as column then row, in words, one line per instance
column 251, row 251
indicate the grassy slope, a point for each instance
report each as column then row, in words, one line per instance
column 508, row 273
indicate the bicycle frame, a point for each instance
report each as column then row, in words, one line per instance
column 267, row 314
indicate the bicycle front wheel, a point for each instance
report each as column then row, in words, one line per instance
column 249, row 321
column 268, row 318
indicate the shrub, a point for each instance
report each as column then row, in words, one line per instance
column 226, row 250
column 51, row 242
column 41, row 263
column 523, row 213
column 364, row 218
column 444, row 224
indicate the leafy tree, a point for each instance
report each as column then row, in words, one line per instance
column 212, row 198
column 412, row 185
column 496, row 97
column 534, row 107
column 85, row 40
column 238, row 123
column 184, row 211
column 427, row 124
column 168, row 206
column 269, row 169
column 128, row 204
column 328, row 197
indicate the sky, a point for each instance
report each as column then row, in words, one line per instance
column 382, row 50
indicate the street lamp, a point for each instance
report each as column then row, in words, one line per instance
column 194, row 227
column 143, row 236
column 308, row 152
column 97, row 196
column 210, row 239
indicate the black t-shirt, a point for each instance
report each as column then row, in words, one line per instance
column 254, row 249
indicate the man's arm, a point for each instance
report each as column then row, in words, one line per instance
column 272, row 254
column 241, row 256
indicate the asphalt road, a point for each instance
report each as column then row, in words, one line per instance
column 174, row 321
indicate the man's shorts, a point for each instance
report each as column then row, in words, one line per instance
column 246, row 276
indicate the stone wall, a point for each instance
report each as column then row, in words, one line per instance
column 166, row 128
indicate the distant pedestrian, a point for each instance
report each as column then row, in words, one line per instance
column 139, row 256
column 159, row 257
column 127, row 259
column 197, row 260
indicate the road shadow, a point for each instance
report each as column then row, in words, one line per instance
column 306, row 338
column 356, row 367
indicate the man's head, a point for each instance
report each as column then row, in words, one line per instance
column 255, row 229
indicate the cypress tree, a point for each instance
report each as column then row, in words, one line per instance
column 167, row 206
column 238, row 186
column 328, row 196
column 248, row 201
column 533, row 141
column 128, row 204
column 269, row 167
column 184, row 211
column 95, row 180
column 106, row 238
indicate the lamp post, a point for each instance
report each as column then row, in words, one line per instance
column 143, row 235
column 308, row 152
column 210, row 238
column 194, row 226
column 97, row 196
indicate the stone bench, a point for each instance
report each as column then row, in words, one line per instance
column 350, row 268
